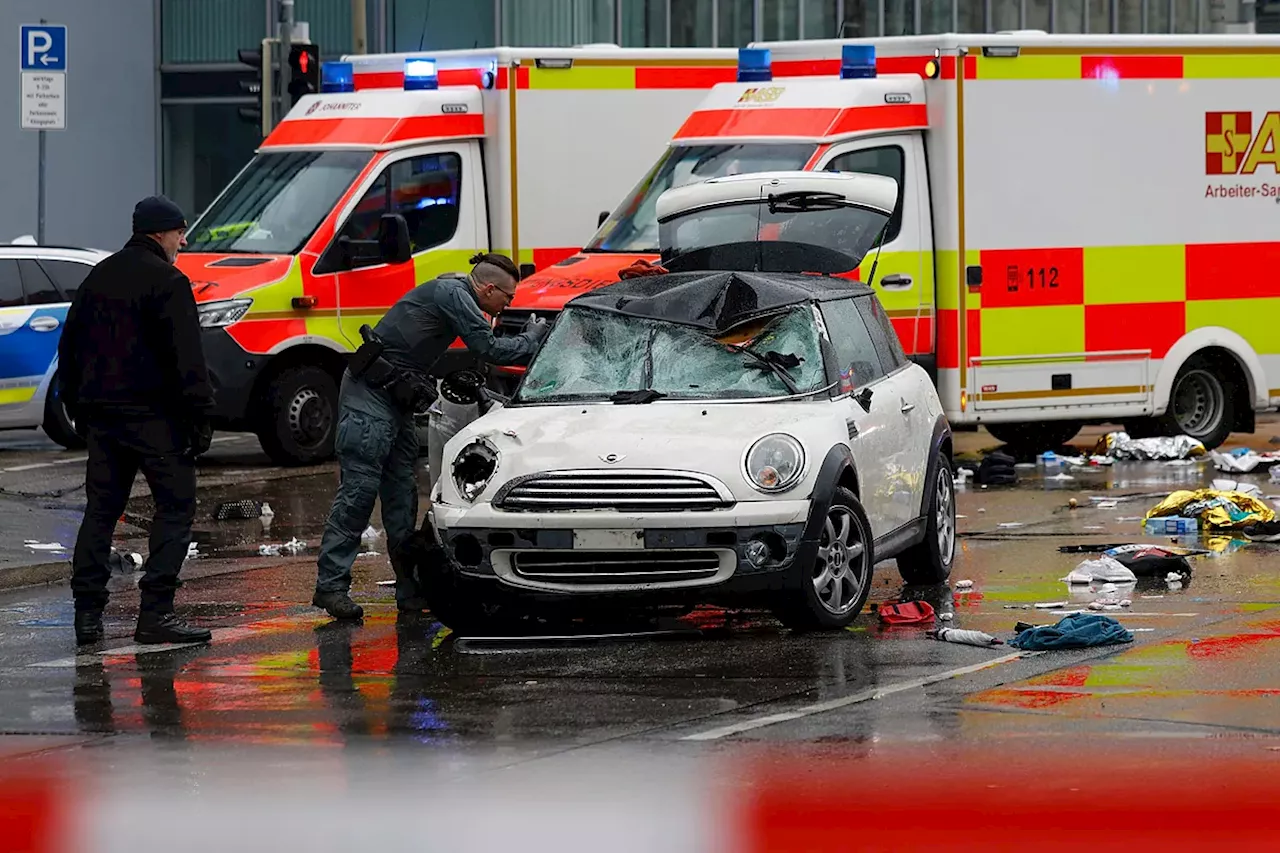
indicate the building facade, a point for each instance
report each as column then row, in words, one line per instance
column 154, row 85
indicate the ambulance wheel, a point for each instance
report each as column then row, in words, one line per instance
column 1200, row 403
column 1038, row 437
column 58, row 424
column 831, row 591
column 300, row 413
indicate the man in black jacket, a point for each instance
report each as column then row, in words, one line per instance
column 134, row 379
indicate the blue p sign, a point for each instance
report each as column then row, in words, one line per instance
column 43, row 47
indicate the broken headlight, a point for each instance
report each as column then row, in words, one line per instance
column 775, row 463
column 473, row 467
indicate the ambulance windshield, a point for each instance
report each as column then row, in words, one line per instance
column 633, row 227
column 276, row 203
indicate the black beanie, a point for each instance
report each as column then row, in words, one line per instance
column 156, row 214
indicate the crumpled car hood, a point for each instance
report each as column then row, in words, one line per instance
column 709, row 438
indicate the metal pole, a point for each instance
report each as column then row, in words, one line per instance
column 286, row 45
column 380, row 25
column 917, row 17
column 40, row 190
column 1172, row 13
column 715, row 23
column 881, row 12
column 1115, row 16
column 668, row 28
column 1022, row 15
column 757, row 20
column 987, row 18
column 800, row 19
column 1053, row 16
column 497, row 23
column 839, row 19
column 359, row 27
column 617, row 22
column 955, row 16
column 1084, row 17
column 1145, row 16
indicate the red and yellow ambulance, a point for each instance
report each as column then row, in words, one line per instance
column 1088, row 227
column 510, row 150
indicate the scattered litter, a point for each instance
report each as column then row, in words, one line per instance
column 963, row 475
column 1153, row 597
column 1275, row 473
column 1051, row 605
column 1011, row 524
column 238, row 510
column 1264, row 531
column 35, row 545
column 1120, row 446
column 1214, row 509
column 1087, row 461
column 906, row 612
column 946, row 617
column 1060, row 476
column 1129, row 519
column 1172, row 526
column 1174, row 580
column 996, row 469
column 193, row 551
column 961, row 516
column 293, row 546
column 966, row 584
column 1074, row 631
column 124, row 563
column 267, row 512
column 1073, row 503
column 1105, row 569
column 1237, row 486
column 1242, row 461
column 1109, row 504
column 387, row 583
column 1151, row 560
column 366, row 554
column 1094, row 527
column 370, row 534
column 982, row 510
column 968, row 638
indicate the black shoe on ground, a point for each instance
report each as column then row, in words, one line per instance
column 88, row 627
column 168, row 628
column 1263, row 531
column 414, row 604
column 338, row 605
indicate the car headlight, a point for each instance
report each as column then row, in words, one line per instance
column 473, row 467
column 224, row 312
column 775, row 463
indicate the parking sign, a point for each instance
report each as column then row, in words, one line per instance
column 43, row 47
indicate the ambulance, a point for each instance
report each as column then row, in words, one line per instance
column 1087, row 227
column 401, row 169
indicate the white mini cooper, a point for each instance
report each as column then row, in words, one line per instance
column 743, row 428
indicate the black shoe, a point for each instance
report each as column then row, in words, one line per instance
column 338, row 605
column 1263, row 531
column 168, row 628
column 413, row 604
column 88, row 627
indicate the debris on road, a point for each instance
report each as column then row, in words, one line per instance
column 1242, row 460
column 1264, row 531
column 997, row 469
column 965, row 637
column 36, row 545
column 1074, row 631
column 1119, row 445
column 1213, row 509
column 124, row 563
column 370, row 534
column 1151, row 560
column 1105, row 569
column 906, row 612
column 193, row 551
column 242, row 510
column 965, row 584
column 292, row 547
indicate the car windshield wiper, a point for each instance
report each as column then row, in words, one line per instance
column 635, row 398
column 797, row 202
column 776, row 363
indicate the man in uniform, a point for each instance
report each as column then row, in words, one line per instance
column 387, row 381
column 134, row 379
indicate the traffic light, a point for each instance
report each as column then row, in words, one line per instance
column 261, row 61
column 304, row 71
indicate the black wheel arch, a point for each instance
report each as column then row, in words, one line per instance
column 304, row 355
column 940, row 443
column 838, row 470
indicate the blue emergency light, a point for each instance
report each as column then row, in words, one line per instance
column 420, row 74
column 754, row 65
column 857, row 61
column 337, row 77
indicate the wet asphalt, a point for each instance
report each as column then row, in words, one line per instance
column 1203, row 665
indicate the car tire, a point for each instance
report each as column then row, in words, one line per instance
column 1037, row 437
column 1201, row 403
column 300, row 415
column 844, row 573
column 58, row 424
column 930, row 561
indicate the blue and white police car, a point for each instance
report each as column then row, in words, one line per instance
column 36, row 287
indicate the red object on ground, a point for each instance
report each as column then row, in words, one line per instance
column 906, row 612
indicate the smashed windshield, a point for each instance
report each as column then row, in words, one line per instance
column 787, row 232
column 594, row 355
column 277, row 202
column 633, row 227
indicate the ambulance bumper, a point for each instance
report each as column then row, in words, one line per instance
column 233, row 372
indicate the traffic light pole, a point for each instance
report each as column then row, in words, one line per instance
column 286, row 46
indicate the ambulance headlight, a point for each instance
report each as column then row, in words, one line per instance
column 474, row 467
column 224, row 312
column 775, row 463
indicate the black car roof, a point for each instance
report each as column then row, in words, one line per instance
column 715, row 301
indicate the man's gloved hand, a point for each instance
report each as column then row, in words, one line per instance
column 537, row 327
column 201, row 434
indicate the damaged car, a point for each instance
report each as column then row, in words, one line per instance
column 741, row 428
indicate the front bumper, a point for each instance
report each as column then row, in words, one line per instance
column 656, row 555
column 233, row 373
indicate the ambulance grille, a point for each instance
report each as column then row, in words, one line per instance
column 621, row 491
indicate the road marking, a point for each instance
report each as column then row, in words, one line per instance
column 34, row 466
column 856, row 698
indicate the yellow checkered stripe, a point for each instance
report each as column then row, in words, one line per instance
column 627, row 74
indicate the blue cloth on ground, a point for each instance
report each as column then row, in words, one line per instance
column 1075, row 631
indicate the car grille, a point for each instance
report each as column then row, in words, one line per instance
column 616, row 567
column 511, row 322
column 623, row 491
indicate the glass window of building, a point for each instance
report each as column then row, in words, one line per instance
column 735, row 24
column 899, row 17
column 1005, row 15
column 935, row 16
column 691, row 23
column 780, row 20
column 819, row 19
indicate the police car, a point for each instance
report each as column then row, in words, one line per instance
column 37, row 284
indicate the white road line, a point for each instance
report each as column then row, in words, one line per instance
column 35, row 466
column 864, row 696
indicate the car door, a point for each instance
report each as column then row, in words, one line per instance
column 28, row 346
column 874, row 431
column 903, row 380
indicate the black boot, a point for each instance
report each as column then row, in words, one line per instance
column 156, row 628
column 408, row 597
column 338, row 604
column 88, row 627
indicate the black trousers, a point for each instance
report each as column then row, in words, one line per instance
column 118, row 450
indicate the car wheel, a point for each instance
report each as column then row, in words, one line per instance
column 1201, row 404
column 58, row 423
column 930, row 561
column 299, row 417
column 832, row 591
column 1038, row 437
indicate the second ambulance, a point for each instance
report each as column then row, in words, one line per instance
column 1087, row 228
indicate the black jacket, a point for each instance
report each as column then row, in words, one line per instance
column 131, row 343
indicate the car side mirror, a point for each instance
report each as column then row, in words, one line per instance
column 394, row 246
column 527, row 270
column 604, row 214
column 864, row 399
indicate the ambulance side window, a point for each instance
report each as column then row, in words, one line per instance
column 888, row 160
column 856, row 354
column 425, row 190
